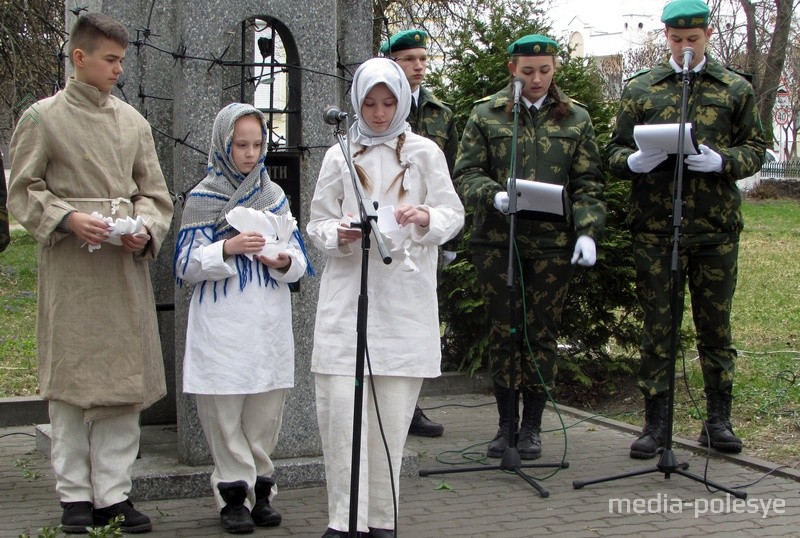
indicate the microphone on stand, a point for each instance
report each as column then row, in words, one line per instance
column 688, row 54
column 333, row 115
column 518, row 84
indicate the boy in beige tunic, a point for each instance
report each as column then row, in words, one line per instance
column 98, row 347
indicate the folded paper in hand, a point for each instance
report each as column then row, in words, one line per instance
column 545, row 200
column 665, row 136
column 119, row 227
column 276, row 229
column 399, row 236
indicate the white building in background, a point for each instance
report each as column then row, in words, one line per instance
column 596, row 28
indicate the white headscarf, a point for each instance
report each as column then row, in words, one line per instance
column 368, row 75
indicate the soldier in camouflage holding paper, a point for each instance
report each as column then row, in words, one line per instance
column 557, row 146
column 431, row 118
column 722, row 110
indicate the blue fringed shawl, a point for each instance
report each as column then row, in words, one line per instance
column 224, row 188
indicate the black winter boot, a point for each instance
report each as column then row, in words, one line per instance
column 654, row 433
column 77, row 516
column 134, row 521
column 718, row 426
column 262, row 513
column 529, row 443
column 499, row 444
column 234, row 516
column 423, row 426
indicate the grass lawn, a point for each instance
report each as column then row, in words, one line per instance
column 18, row 316
column 766, row 332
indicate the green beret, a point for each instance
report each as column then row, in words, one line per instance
column 533, row 45
column 407, row 39
column 686, row 14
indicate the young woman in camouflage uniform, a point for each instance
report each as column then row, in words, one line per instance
column 557, row 146
column 722, row 109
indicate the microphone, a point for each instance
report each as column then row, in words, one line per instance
column 518, row 84
column 688, row 54
column 332, row 115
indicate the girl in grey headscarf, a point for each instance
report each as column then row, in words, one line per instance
column 408, row 173
column 239, row 357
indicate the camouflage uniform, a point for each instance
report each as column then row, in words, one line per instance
column 5, row 234
column 722, row 108
column 562, row 152
column 432, row 119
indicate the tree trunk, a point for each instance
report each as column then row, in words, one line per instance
column 774, row 62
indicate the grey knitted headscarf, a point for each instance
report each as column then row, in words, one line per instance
column 224, row 188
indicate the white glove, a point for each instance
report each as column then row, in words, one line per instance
column 707, row 160
column 585, row 251
column 501, row 202
column 642, row 162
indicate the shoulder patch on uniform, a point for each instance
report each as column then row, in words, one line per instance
column 747, row 76
column 582, row 105
column 640, row 72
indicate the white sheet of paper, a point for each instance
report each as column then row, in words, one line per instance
column 386, row 221
column 538, row 196
column 665, row 136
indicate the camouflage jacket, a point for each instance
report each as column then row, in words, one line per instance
column 435, row 121
column 722, row 109
column 5, row 234
column 562, row 152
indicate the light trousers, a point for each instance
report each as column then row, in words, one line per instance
column 242, row 431
column 397, row 397
column 92, row 461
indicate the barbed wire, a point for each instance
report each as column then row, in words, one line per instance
column 144, row 39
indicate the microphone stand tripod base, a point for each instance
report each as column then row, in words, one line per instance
column 667, row 464
column 510, row 462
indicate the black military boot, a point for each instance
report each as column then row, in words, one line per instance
column 77, row 517
column 529, row 443
column 234, row 516
column 718, row 426
column 262, row 513
column 499, row 444
column 654, row 433
column 423, row 426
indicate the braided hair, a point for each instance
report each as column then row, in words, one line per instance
column 363, row 177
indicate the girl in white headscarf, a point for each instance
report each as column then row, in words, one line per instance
column 395, row 168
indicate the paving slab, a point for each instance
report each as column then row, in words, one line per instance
column 479, row 503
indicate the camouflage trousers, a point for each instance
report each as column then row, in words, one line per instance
column 710, row 269
column 546, row 275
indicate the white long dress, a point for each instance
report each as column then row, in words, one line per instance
column 403, row 317
column 238, row 341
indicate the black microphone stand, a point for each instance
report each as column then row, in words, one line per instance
column 510, row 461
column 667, row 462
column 369, row 223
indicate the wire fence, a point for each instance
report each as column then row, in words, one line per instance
column 781, row 170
